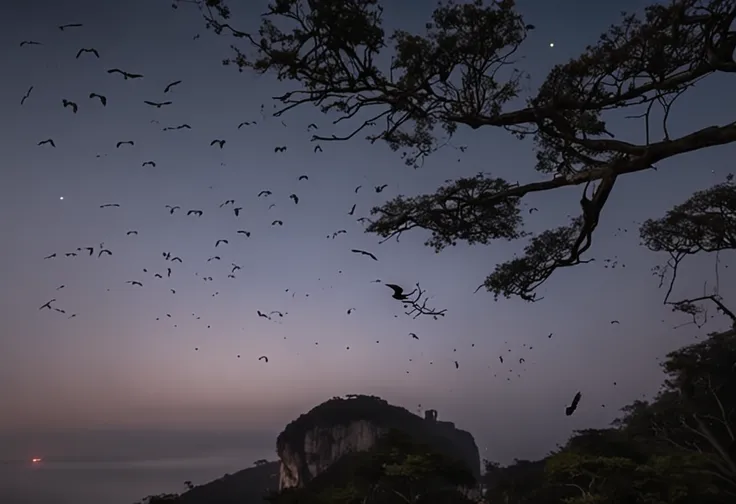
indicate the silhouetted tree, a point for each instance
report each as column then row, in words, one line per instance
column 460, row 73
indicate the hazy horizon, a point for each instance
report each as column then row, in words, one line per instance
column 171, row 368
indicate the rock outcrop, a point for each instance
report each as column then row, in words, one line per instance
column 317, row 439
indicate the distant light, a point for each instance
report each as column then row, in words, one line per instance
column 551, row 44
column 61, row 198
column 35, row 460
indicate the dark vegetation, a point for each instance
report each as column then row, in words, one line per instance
column 680, row 448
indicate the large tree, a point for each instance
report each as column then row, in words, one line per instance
column 460, row 72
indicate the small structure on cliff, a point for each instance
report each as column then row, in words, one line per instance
column 317, row 439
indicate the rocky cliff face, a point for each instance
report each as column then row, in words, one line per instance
column 318, row 439
column 322, row 446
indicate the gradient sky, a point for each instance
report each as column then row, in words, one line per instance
column 116, row 367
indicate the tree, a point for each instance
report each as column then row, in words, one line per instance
column 706, row 222
column 460, row 73
column 695, row 413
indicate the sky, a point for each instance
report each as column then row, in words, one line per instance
column 122, row 365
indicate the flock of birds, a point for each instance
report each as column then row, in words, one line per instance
column 412, row 300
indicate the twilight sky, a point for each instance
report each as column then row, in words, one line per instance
column 115, row 366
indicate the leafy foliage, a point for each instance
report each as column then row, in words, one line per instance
column 461, row 72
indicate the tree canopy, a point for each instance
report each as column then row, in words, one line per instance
column 461, row 72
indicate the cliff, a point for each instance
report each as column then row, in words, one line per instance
column 317, row 439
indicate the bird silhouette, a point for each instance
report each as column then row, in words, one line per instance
column 264, row 193
column 317, row 148
column 91, row 50
column 68, row 103
column 30, row 42
column 569, row 410
column 246, row 233
column 170, row 86
column 47, row 141
column 280, row 223
column 126, row 75
column 157, row 104
column 263, row 358
column 102, row 98
column 47, row 305
column 237, row 211
column 25, row 97
column 149, row 163
column 280, row 149
column 245, row 123
column 172, row 209
column 108, row 205
column 198, row 213
column 352, row 210
column 358, row 189
column 363, row 252
column 295, row 198
column 181, row 126
column 221, row 241
column 303, row 177
column 104, row 251
column 134, row 282
column 398, row 292
column 227, row 202
column 220, row 142
column 131, row 232
column 615, row 322
column 381, row 188
column 125, row 142
column 414, row 335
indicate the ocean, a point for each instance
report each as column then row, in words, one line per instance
column 108, row 482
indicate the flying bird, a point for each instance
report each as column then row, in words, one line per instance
column 169, row 86
column 317, row 148
column 533, row 209
column 280, row 223
column 134, row 282
column 126, row 75
column 132, row 232
column 303, row 177
column 221, row 241
column 47, row 305
column 381, row 188
column 30, row 42
column 149, row 163
column 102, row 99
column 106, row 205
column 182, row 126
column 157, row 104
column 264, row 193
column 172, row 209
column 25, row 97
column 47, row 141
column 615, row 322
column 104, row 251
column 414, row 335
column 398, row 292
column 363, row 252
column 280, row 149
column 227, row 202
column 221, row 142
column 295, row 198
column 246, row 233
column 198, row 213
column 68, row 103
column 91, row 50
column 569, row 410
column 71, row 25
column 263, row 358
column 352, row 210
column 126, row 142
column 358, row 189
